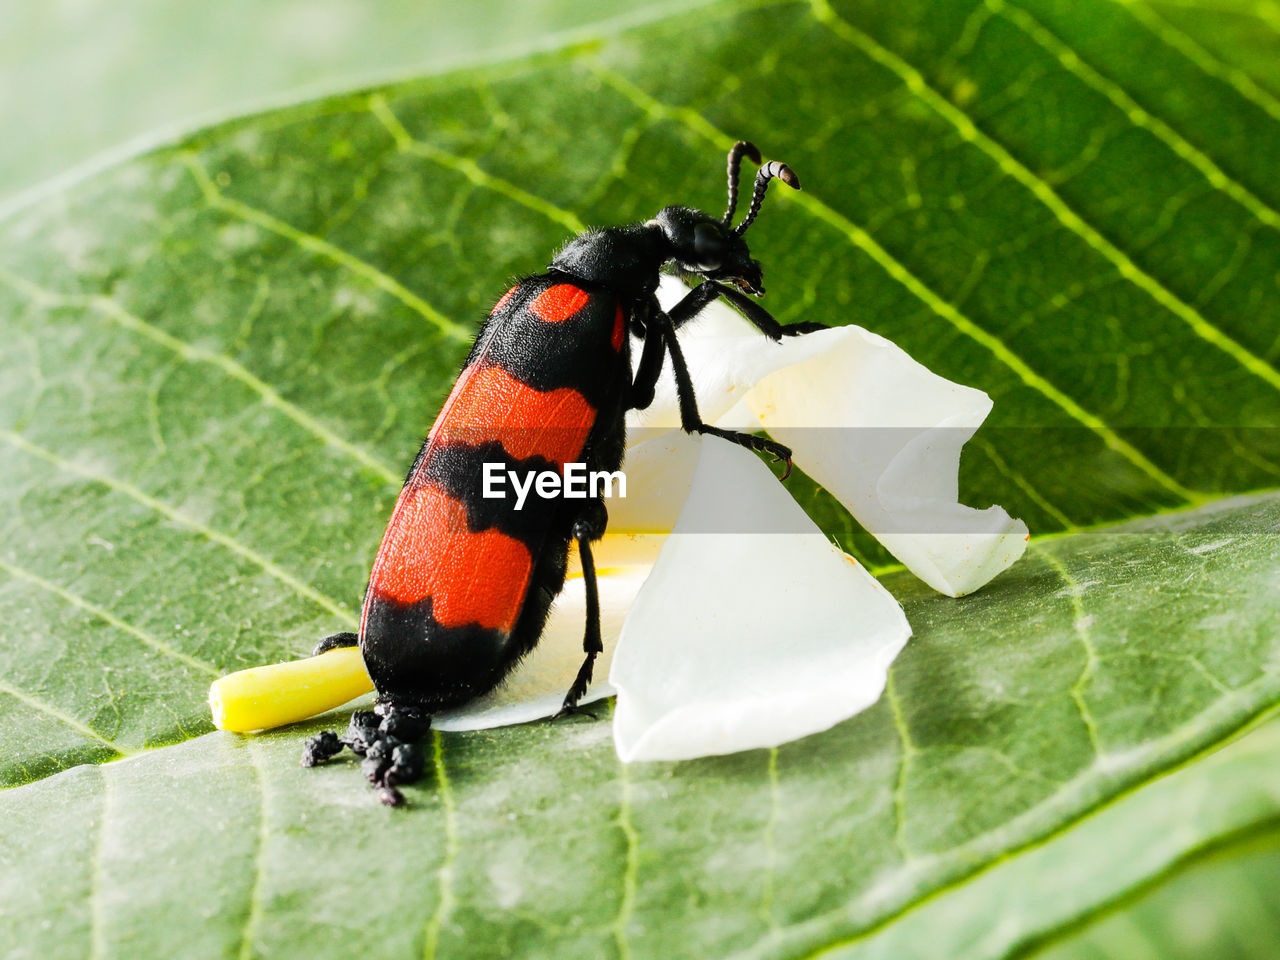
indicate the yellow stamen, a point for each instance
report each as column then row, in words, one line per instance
column 261, row 698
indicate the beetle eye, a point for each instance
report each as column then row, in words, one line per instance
column 708, row 245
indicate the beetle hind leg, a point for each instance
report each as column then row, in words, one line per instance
column 588, row 528
column 335, row 641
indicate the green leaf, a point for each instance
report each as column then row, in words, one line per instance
column 218, row 358
column 1011, row 765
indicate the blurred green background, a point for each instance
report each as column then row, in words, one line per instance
column 85, row 76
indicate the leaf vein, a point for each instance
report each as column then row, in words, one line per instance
column 1080, row 626
column 66, row 718
column 104, row 614
column 1025, row 485
column 216, row 199
column 767, row 912
column 1139, row 116
column 908, row 750
column 406, row 143
column 916, row 83
column 863, row 241
column 97, row 915
column 191, row 353
column 254, row 914
column 1195, row 53
column 444, row 876
column 177, row 516
column 631, row 865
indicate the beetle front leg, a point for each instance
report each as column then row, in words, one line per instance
column 648, row 369
column 692, row 422
column 692, row 303
column 763, row 320
column 701, row 295
column 590, row 526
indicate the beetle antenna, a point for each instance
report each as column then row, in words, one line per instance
column 772, row 169
column 736, row 153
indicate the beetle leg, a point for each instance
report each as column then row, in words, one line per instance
column 763, row 320
column 692, row 422
column 758, row 316
column 693, row 302
column 648, row 370
column 808, row 326
column 335, row 641
column 586, row 529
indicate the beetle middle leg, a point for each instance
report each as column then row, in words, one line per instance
column 590, row 526
column 691, row 421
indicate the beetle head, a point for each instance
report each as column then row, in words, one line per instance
column 711, row 248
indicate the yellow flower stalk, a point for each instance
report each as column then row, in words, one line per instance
column 261, row 698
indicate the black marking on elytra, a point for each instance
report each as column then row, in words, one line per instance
column 458, row 470
column 414, row 659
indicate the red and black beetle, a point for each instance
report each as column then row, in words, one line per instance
column 461, row 585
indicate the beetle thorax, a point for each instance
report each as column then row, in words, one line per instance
column 626, row 260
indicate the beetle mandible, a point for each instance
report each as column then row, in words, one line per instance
column 462, row 584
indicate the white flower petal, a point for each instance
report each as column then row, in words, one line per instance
column 900, row 483
column 890, row 452
column 751, row 639
column 659, row 469
column 877, row 429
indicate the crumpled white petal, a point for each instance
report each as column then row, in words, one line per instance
column 877, row 429
column 747, row 639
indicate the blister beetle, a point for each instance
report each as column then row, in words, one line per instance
column 461, row 585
